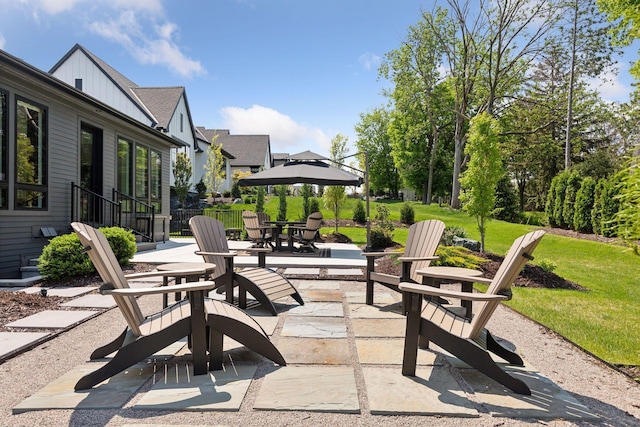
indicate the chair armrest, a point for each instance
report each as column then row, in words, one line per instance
column 417, row 258
column 376, row 254
column 223, row 254
column 459, row 277
column 171, row 273
column 107, row 289
column 258, row 250
column 432, row 291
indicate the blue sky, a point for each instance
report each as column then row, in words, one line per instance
column 300, row 71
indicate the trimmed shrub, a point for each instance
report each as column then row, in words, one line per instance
column 506, row 206
column 610, row 206
column 558, row 204
column 381, row 237
column 547, row 264
column 407, row 214
column 226, row 194
column 596, row 212
column 584, row 206
column 382, row 212
column 314, row 205
column 260, row 199
column 122, row 242
column 235, row 190
column 359, row 214
column 549, row 206
column 574, row 182
column 457, row 256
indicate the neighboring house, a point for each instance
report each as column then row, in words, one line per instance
column 252, row 153
column 53, row 134
column 278, row 159
column 163, row 108
column 204, row 138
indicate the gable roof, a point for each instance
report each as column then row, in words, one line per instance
column 246, row 150
column 57, row 84
column 205, row 136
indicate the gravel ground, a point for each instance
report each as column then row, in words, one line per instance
column 613, row 396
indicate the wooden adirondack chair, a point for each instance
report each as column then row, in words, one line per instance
column 466, row 338
column 187, row 318
column 422, row 242
column 306, row 234
column 260, row 235
column 263, row 284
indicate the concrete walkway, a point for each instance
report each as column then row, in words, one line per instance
column 342, row 357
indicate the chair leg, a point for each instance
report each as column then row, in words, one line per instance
column 105, row 350
column 216, row 341
column 496, row 348
column 410, row 357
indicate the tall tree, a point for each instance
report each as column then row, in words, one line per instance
column 182, row 172
column 374, row 139
column 215, row 168
column 481, row 177
column 589, row 45
column 626, row 16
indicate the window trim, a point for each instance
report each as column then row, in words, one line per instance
column 17, row 186
column 132, row 171
column 4, row 149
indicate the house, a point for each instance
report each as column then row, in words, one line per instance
column 163, row 108
column 65, row 155
column 278, row 159
column 204, row 139
column 252, row 153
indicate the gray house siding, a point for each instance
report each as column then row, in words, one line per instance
column 20, row 236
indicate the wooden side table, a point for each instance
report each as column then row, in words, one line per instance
column 439, row 275
column 197, row 270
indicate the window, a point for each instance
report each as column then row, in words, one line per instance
column 254, row 169
column 31, row 156
column 181, row 122
column 79, row 84
column 139, row 172
column 4, row 192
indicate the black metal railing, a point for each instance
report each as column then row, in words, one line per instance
column 93, row 209
column 179, row 224
column 137, row 216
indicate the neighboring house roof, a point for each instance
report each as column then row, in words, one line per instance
column 205, row 136
column 248, row 150
column 48, row 79
column 279, row 156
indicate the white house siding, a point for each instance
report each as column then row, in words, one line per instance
column 185, row 135
column 98, row 85
column 20, row 238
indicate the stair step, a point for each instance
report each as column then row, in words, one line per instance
column 30, row 271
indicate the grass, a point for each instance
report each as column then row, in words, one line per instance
column 603, row 320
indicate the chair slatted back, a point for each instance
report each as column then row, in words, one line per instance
column 105, row 261
column 210, row 237
column 520, row 252
column 312, row 226
column 252, row 225
column 422, row 241
column 263, row 217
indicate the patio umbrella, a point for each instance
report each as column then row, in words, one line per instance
column 303, row 168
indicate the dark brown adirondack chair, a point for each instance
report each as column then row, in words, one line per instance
column 422, row 242
column 259, row 234
column 187, row 318
column 466, row 338
column 263, row 284
column 306, row 234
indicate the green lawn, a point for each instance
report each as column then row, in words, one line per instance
column 603, row 320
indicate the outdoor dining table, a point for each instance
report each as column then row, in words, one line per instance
column 439, row 275
column 279, row 226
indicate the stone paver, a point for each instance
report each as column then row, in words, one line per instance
column 92, row 301
column 69, row 292
column 11, row 342
column 321, row 295
column 379, row 298
column 318, row 309
column 389, row 352
column 433, row 391
column 318, row 284
column 309, row 388
column 214, row 391
column 293, row 271
column 314, row 327
column 315, row 351
column 52, row 319
column 547, row 400
column 376, row 311
column 113, row 393
column 381, row 328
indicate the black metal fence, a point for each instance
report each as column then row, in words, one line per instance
column 179, row 224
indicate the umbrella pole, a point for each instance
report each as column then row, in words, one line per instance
column 366, row 189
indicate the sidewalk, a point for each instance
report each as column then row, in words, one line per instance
column 343, row 368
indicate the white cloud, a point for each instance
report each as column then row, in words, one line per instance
column 286, row 134
column 610, row 87
column 369, row 60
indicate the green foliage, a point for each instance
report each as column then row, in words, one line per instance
column 260, row 199
column 584, row 206
column 63, row 256
column 457, row 256
column 226, row 194
column 568, row 209
column 558, row 203
column 381, row 237
column 450, row 232
column 506, row 207
column 407, row 214
column 626, row 221
column 306, row 192
column 334, row 198
column 182, row 172
column 247, row 200
column 235, row 190
column 547, row 264
column 282, row 206
column 359, row 214
column 610, row 205
column 382, row 212
column 201, row 189
column 550, row 205
column 215, row 172
column 484, row 169
column 314, row 205
column 596, row 212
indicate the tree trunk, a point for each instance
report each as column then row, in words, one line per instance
column 457, row 162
